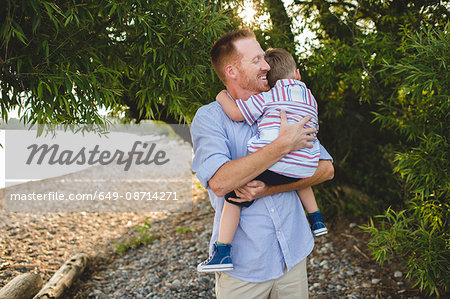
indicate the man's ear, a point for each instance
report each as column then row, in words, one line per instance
column 230, row 71
column 297, row 75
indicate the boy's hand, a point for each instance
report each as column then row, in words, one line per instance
column 222, row 96
column 295, row 136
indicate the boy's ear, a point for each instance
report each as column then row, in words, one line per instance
column 297, row 74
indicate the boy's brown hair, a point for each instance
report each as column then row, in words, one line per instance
column 224, row 50
column 282, row 65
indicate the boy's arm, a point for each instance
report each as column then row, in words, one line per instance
column 229, row 106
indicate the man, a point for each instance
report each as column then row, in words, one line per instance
column 273, row 238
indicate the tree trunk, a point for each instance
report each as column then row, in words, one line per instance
column 281, row 26
column 64, row 277
column 24, row 286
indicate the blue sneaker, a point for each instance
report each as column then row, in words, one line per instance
column 220, row 260
column 317, row 226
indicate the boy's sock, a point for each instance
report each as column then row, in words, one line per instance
column 317, row 225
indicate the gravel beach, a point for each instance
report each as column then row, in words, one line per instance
column 339, row 266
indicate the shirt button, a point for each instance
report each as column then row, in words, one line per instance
column 278, row 232
column 272, row 210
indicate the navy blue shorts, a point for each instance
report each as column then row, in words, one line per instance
column 267, row 177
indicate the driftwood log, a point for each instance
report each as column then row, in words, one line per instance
column 24, row 286
column 64, row 277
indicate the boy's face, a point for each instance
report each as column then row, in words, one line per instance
column 252, row 68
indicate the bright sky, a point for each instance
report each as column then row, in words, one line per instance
column 247, row 13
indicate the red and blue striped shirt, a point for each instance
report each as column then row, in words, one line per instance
column 264, row 108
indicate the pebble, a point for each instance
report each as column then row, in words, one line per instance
column 166, row 268
column 398, row 274
column 365, row 284
column 376, row 280
column 176, row 282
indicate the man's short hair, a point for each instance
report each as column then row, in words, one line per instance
column 282, row 65
column 223, row 50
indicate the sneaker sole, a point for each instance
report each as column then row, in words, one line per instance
column 320, row 232
column 215, row 268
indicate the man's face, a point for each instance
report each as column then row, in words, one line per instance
column 252, row 68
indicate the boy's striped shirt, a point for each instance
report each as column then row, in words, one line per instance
column 264, row 108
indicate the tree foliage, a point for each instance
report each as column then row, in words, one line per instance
column 356, row 39
column 62, row 61
column 381, row 81
column 419, row 109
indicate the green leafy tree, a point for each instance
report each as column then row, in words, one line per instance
column 355, row 40
column 61, row 61
column 382, row 89
column 373, row 58
column 419, row 109
column 279, row 34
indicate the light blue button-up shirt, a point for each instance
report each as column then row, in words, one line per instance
column 273, row 231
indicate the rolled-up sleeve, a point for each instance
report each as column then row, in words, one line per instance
column 210, row 143
column 324, row 155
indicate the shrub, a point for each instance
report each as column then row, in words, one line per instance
column 419, row 234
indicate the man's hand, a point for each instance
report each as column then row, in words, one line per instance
column 234, row 173
column 251, row 191
column 295, row 136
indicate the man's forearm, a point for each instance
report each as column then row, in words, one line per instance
column 236, row 173
column 324, row 172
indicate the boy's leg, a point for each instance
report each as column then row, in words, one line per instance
column 229, row 222
column 220, row 260
column 308, row 200
column 315, row 217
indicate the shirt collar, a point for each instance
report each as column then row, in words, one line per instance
column 284, row 82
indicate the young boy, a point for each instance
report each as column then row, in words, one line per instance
column 287, row 93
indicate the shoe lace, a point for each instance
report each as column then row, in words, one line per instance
column 210, row 257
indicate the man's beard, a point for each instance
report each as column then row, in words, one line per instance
column 252, row 83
